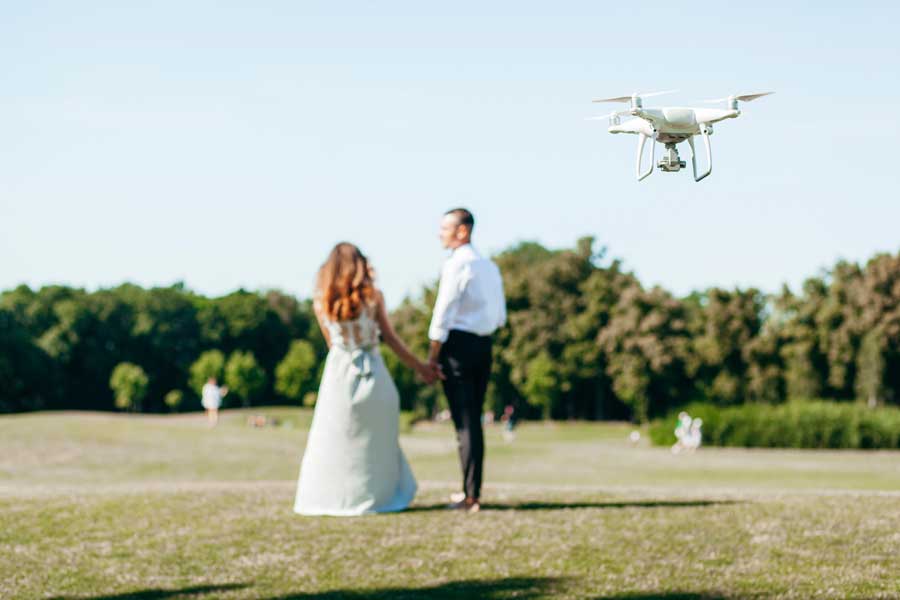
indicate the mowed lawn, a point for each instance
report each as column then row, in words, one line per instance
column 152, row 507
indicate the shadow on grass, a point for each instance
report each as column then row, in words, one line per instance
column 663, row 596
column 497, row 589
column 159, row 594
column 568, row 505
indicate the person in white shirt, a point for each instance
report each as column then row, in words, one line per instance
column 211, row 398
column 470, row 306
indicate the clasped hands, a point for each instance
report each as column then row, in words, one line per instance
column 430, row 371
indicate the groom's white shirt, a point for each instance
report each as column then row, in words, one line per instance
column 470, row 296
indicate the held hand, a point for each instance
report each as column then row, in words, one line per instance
column 425, row 371
column 435, row 367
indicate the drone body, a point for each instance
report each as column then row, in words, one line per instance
column 671, row 126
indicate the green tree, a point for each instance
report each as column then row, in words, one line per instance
column 878, row 312
column 870, row 369
column 165, row 335
column 294, row 375
column 27, row 374
column 765, row 367
column 244, row 377
column 129, row 383
column 647, row 345
column 541, row 383
column 724, row 326
column 210, row 364
column 557, row 301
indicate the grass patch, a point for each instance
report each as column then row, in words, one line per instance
column 110, row 506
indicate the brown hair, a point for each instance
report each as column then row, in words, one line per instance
column 344, row 284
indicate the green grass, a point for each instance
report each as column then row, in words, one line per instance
column 112, row 506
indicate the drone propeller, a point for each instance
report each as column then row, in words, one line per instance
column 635, row 95
column 742, row 98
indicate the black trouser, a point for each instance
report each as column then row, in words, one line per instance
column 466, row 361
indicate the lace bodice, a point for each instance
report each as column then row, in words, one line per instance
column 362, row 332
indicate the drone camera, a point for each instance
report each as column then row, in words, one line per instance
column 670, row 166
column 670, row 161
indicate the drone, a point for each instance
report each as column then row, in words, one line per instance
column 671, row 126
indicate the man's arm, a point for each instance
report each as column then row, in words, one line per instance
column 445, row 307
column 501, row 320
column 434, row 351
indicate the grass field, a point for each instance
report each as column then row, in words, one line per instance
column 154, row 507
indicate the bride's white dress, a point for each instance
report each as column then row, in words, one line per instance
column 353, row 463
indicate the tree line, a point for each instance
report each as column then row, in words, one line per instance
column 585, row 339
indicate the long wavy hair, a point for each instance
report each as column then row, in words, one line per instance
column 345, row 284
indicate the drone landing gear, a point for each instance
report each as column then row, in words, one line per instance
column 642, row 139
column 671, row 162
column 705, row 131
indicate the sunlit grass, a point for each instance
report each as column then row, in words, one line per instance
column 112, row 506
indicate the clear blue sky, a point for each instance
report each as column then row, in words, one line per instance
column 231, row 144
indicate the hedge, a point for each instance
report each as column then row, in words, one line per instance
column 799, row 424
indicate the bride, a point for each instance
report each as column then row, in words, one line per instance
column 353, row 463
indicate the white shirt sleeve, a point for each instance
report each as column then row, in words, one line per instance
column 447, row 304
column 501, row 318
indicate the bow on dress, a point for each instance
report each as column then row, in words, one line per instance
column 361, row 361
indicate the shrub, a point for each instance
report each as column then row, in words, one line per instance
column 244, row 377
column 210, row 364
column 129, row 383
column 173, row 399
column 294, row 374
column 806, row 424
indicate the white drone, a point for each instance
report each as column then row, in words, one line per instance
column 671, row 126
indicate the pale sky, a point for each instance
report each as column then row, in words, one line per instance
column 231, row 144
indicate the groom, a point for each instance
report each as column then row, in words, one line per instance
column 470, row 306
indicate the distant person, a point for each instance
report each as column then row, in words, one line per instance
column 470, row 306
column 509, row 423
column 688, row 433
column 211, row 398
column 353, row 462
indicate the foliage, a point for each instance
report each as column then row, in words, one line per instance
column 584, row 340
column 173, row 399
column 210, row 364
column 244, row 377
column 294, row 375
column 129, row 382
column 27, row 373
column 801, row 424
column 541, row 386
column 647, row 345
column 411, row 320
column 64, row 342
